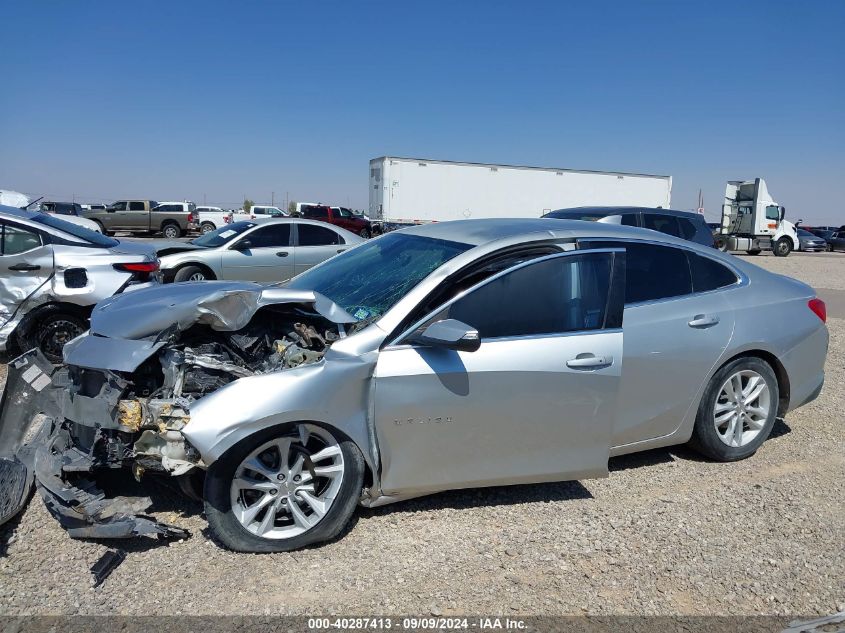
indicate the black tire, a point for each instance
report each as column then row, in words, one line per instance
column 50, row 334
column 234, row 536
column 207, row 227
column 783, row 247
column 186, row 272
column 171, row 231
column 365, row 233
column 720, row 243
column 102, row 228
column 754, row 251
column 705, row 439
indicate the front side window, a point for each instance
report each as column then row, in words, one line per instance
column 119, row 206
column 773, row 213
column 224, row 234
column 18, row 240
column 310, row 235
column 136, row 206
column 550, row 296
column 664, row 223
column 272, row 236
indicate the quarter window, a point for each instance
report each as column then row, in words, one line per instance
column 708, row 274
column 687, row 227
column 550, row 296
column 17, row 240
column 310, row 235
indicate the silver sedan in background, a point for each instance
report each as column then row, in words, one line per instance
column 273, row 250
column 450, row 355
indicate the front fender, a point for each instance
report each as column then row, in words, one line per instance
column 334, row 392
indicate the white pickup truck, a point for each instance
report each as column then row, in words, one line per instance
column 212, row 218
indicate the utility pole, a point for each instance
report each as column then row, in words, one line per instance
column 287, row 204
column 272, row 198
column 203, row 199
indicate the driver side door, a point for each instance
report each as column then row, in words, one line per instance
column 262, row 254
column 26, row 263
column 535, row 402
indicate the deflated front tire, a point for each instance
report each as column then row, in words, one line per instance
column 284, row 489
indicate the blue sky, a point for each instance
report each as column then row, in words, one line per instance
column 223, row 99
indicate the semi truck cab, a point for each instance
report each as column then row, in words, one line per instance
column 753, row 221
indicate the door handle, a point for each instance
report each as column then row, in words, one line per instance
column 704, row 320
column 282, row 254
column 589, row 361
column 24, row 266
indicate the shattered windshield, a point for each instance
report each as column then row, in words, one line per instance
column 222, row 235
column 370, row 279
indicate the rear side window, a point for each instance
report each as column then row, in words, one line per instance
column 563, row 294
column 708, row 274
column 652, row 272
column 136, row 206
column 17, row 240
column 310, row 235
column 664, row 223
column 629, row 219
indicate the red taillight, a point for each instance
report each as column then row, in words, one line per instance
column 140, row 267
column 819, row 308
column 190, row 217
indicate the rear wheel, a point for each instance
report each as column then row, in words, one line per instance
column 783, row 247
column 207, row 227
column 171, row 231
column 284, row 489
column 365, row 233
column 102, row 228
column 737, row 411
column 51, row 333
column 192, row 273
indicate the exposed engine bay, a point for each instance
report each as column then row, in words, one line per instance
column 99, row 419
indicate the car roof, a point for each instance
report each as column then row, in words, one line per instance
column 621, row 210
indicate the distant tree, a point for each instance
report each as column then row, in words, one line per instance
column 248, row 205
column 292, row 207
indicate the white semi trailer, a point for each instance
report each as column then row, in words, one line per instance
column 753, row 222
column 416, row 190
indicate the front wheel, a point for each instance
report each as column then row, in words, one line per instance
column 721, row 244
column 284, row 489
column 737, row 411
column 51, row 333
column 191, row 273
column 783, row 247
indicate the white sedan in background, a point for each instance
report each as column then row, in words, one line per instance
column 273, row 250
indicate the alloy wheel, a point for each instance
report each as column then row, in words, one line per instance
column 288, row 484
column 742, row 408
column 197, row 276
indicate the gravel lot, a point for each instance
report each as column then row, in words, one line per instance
column 666, row 533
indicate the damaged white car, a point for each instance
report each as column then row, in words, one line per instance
column 452, row 355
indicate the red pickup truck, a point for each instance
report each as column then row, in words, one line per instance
column 339, row 216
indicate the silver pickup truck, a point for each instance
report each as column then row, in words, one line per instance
column 172, row 219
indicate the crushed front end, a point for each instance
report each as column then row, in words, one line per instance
column 121, row 403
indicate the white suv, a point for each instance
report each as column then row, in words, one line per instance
column 261, row 212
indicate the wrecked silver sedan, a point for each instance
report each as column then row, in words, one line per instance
column 52, row 273
column 454, row 355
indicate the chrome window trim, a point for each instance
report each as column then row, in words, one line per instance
column 742, row 278
column 396, row 341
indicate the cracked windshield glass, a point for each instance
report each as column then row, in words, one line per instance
column 370, row 279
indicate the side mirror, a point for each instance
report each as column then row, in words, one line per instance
column 242, row 245
column 782, row 213
column 450, row 334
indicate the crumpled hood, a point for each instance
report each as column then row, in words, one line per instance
column 222, row 305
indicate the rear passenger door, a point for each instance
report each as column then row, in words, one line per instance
column 315, row 244
column 678, row 322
